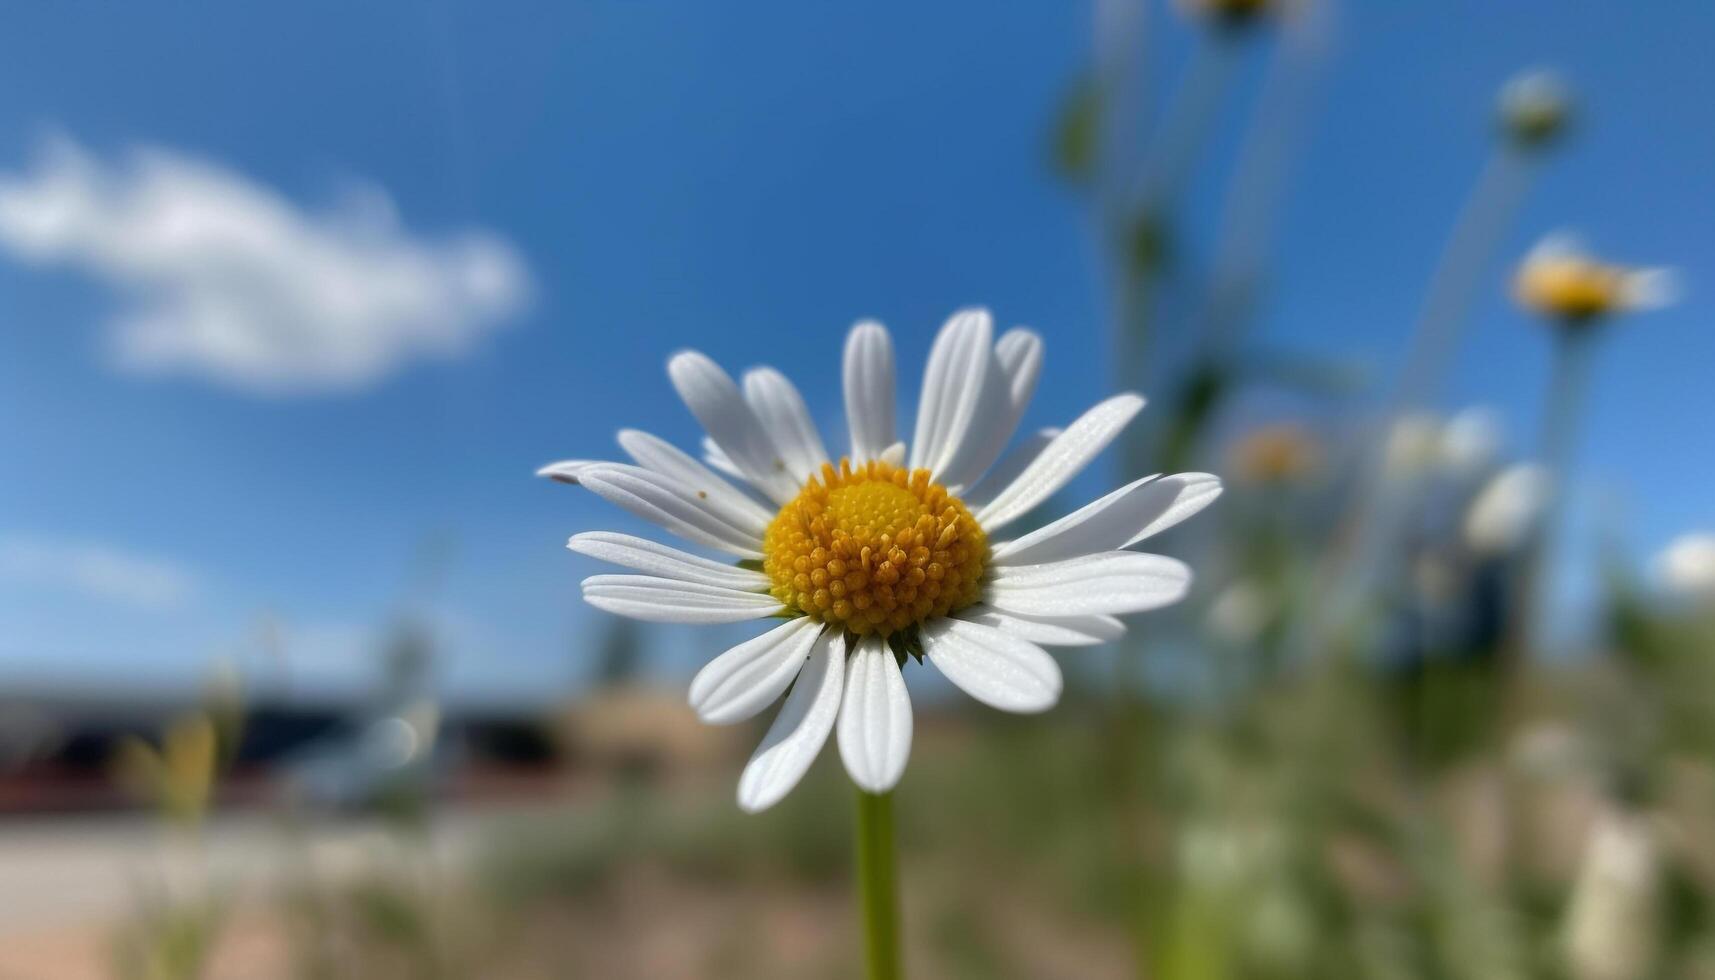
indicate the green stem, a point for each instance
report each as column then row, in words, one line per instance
column 1558, row 444
column 1478, row 231
column 876, row 890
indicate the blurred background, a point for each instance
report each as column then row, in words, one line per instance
column 294, row 676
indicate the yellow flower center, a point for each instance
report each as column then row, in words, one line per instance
column 1573, row 288
column 876, row 549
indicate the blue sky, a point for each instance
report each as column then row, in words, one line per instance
column 744, row 181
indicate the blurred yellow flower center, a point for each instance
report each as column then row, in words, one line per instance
column 874, row 550
column 1571, row 287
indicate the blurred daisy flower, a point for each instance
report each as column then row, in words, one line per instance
column 1280, row 453
column 1561, row 280
column 884, row 555
column 1241, row 613
column 1470, row 441
column 1535, row 107
column 1412, row 446
column 1505, row 512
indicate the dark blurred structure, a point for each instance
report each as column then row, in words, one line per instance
column 57, row 749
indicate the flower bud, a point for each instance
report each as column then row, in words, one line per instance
column 1535, row 107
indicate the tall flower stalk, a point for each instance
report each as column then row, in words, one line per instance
column 1534, row 110
column 1576, row 295
column 878, row 893
column 1563, row 407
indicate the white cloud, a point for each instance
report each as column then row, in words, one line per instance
column 95, row 570
column 225, row 278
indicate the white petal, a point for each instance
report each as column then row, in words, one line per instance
column 954, row 383
column 1558, row 244
column 744, row 680
column 718, row 460
column 661, row 600
column 666, row 562
column 869, row 390
column 999, row 670
column 799, row 730
column 1651, row 289
column 653, row 453
column 1020, row 353
column 1197, row 491
column 718, row 404
column 674, row 506
column 565, row 471
column 1062, row 460
column 1118, row 520
column 1008, row 469
column 1012, row 380
column 893, row 455
column 875, row 718
column 783, row 414
column 1110, row 583
column 1053, row 631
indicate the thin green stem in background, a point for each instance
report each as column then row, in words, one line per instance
column 1190, row 117
column 1478, row 231
column 1138, row 229
column 1558, row 443
column 877, row 893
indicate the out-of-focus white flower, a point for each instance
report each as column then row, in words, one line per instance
column 1560, row 279
column 881, row 556
column 1470, row 440
column 1413, row 445
column 1686, row 567
column 1611, row 930
column 1535, row 106
column 1240, row 613
column 1279, row 453
column 1506, row 510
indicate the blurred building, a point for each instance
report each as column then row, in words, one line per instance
column 57, row 747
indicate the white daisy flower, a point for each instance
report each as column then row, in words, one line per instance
column 1561, row 279
column 885, row 554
